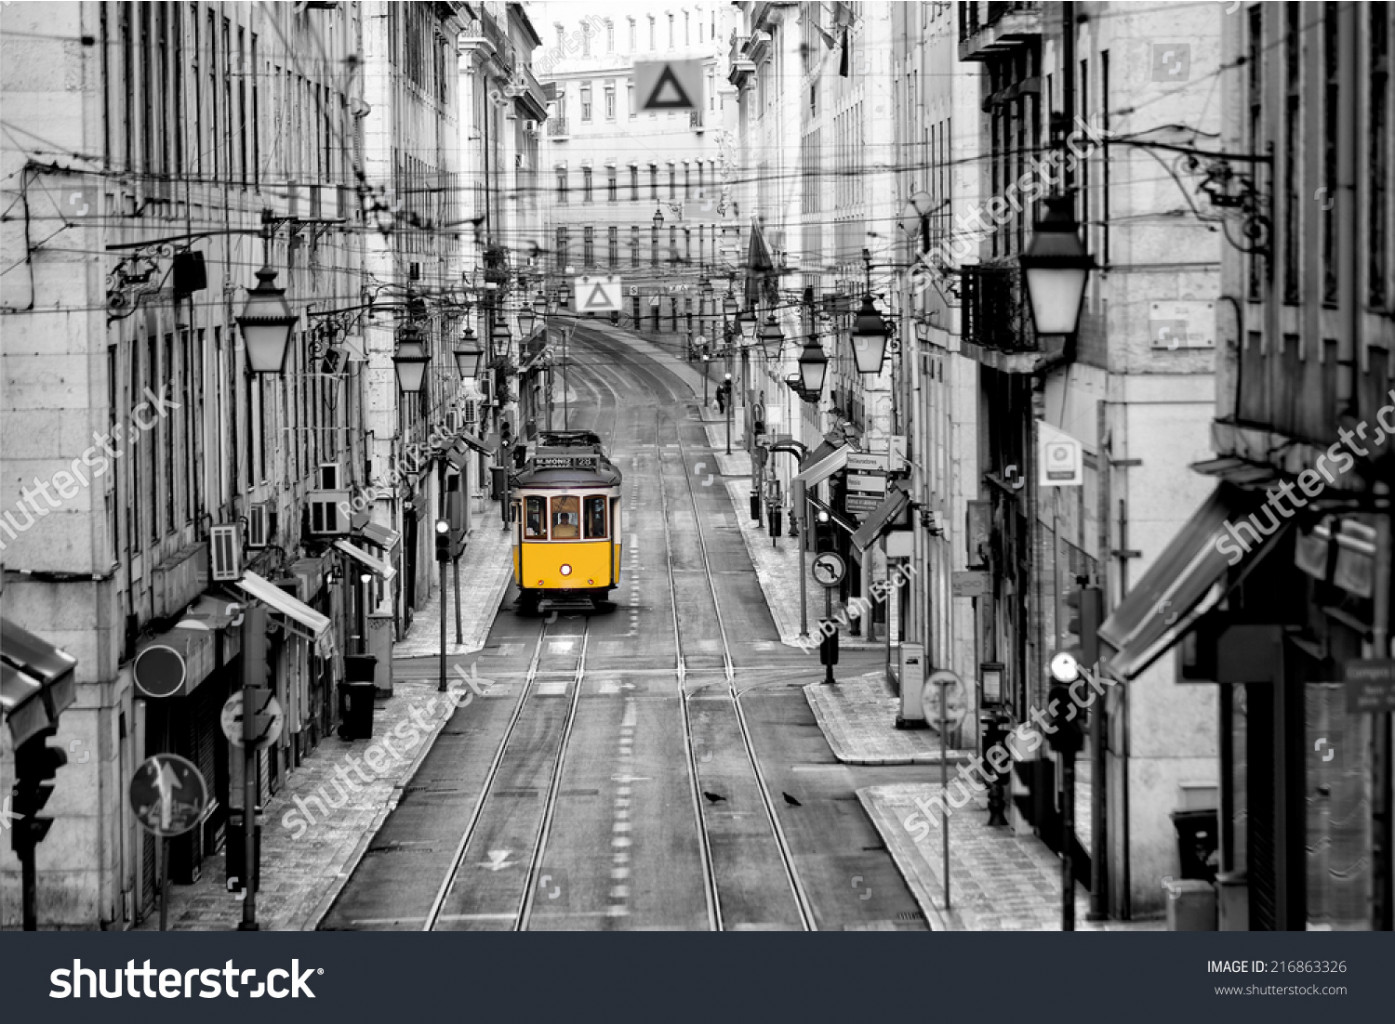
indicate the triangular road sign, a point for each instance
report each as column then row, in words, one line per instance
column 668, row 93
column 598, row 298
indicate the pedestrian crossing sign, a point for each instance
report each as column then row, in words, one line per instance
column 598, row 294
column 669, row 85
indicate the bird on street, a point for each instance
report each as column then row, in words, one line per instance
column 791, row 800
column 714, row 798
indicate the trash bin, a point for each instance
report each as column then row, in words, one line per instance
column 498, row 482
column 235, row 854
column 360, row 668
column 755, row 507
column 357, row 700
column 1191, row 905
column 777, row 522
column 1196, row 843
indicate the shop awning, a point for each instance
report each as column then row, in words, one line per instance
column 821, row 465
column 209, row 613
column 1189, row 578
column 37, row 681
column 882, row 518
column 474, row 442
column 300, row 617
column 382, row 569
column 379, row 536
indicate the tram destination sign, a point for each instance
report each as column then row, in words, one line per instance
column 562, row 459
column 1370, row 685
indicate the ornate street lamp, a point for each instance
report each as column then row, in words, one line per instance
column 540, row 304
column 869, row 334
column 410, row 360
column 747, row 322
column 468, row 355
column 526, row 319
column 658, row 219
column 730, row 306
column 501, row 341
column 1055, row 266
column 770, row 334
column 813, row 368
column 266, row 324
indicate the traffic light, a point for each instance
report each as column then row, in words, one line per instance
column 1085, row 611
column 505, row 434
column 36, row 765
column 1068, row 720
column 443, row 540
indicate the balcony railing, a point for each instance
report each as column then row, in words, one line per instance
column 986, row 29
column 995, row 309
column 557, row 127
column 695, row 120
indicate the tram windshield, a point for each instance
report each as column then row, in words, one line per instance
column 566, row 524
column 595, row 518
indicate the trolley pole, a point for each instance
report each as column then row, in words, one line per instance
column 254, row 665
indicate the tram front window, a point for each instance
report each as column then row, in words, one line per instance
column 595, row 518
column 534, row 519
column 565, row 522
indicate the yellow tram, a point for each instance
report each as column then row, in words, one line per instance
column 564, row 508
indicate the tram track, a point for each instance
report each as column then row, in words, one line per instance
column 797, row 889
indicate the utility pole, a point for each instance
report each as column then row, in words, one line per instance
column 255, row 674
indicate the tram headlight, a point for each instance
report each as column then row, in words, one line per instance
column 566, row 570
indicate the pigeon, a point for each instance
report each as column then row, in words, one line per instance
column 713, row 797
column 791, row 800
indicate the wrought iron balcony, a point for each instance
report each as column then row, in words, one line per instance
column 994, row 308
column 989, row 29
column 557, row 128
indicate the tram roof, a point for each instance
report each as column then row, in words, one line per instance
column 603, row 474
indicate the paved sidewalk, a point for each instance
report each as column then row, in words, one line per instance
column 316, row 827
column 319, row 823
column 486, row 568
column 998, row 881
column 857, row 715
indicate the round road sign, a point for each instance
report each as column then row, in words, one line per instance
column 231, row 720
column 956, row 704
column 168, row 794
column 829, row 569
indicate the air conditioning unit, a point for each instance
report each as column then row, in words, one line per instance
column 530, row 126
column 329, row 513
column 453, row 421
column 329, row 476
column 486, row 385
column 258, row 525
column 224, row 554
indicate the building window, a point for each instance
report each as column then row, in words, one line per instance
column 586, row 103
column 672, row 183
column 634, row 183
column 688, row 244
column 654, row 181
column 586, row 184
column 634, row 246
column 562, row 243
column 612, row 187
column 613, row 247
column 561, row 39
column 586, row 38
column 1378, row 145
column 670, row 31
column 634, row 36
column 673, row 243
column 588, row 246
column 561, row 185
column 712, row 90
column 687, row 180
column 630, row 99
column 687, row 29
column 1293, row 109
column 652, row 44
column 654, row 247
column 700, row 182
column 609, row 36
column 610, row 101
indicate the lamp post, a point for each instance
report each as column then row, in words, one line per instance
column 266, row 324
column 727, row 384
column 443, row 558
column 706, row 359
column 1055, row 267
